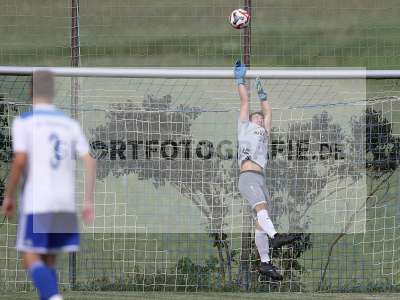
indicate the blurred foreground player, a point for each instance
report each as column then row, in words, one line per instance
column 45, row 144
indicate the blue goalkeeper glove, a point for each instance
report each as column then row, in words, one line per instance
column 262, row 95
column 240, row 72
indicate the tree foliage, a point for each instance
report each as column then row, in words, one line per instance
column 205, row 182
column 6, row 110
column 381, row 159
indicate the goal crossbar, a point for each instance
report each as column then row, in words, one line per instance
column 205, row 73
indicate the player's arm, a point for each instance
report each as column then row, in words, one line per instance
column 90, row 175
column 265, row 106
column 18, row 165
column 267, row 111
column 244, row 103
column 17, row 168
column 240, row 72
column 89, row 164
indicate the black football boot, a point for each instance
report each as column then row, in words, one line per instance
column 270, row 271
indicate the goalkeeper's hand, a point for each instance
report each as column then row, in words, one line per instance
column 262, row 95
column 239, row 71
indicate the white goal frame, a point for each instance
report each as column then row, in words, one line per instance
column 207, row 73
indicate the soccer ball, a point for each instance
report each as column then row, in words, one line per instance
column 239, row 18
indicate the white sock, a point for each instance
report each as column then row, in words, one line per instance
column 56, row 297
column 265, row 223
column 262, row 245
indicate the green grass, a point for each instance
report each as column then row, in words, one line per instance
column 206, row 296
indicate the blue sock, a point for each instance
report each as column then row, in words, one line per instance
column 44, row 280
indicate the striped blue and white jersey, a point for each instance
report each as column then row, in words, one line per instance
column 51, row 140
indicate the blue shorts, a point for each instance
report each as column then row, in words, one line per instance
column 45, row 234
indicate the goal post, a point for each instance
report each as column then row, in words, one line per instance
column 168, row 212
column 207, row 73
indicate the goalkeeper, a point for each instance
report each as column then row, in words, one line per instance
column 253, row 133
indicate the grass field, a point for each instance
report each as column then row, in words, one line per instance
column 138, row 33
column 208, row 296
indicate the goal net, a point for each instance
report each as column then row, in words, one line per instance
column 169, row 216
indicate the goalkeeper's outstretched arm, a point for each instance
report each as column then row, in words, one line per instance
column 265, row 106
column 267, row 111
column 244, row 103
column 240, row 72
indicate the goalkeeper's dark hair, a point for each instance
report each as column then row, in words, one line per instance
column 43, row 84
column 256, row 113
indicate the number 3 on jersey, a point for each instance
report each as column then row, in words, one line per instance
column 56, row 157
